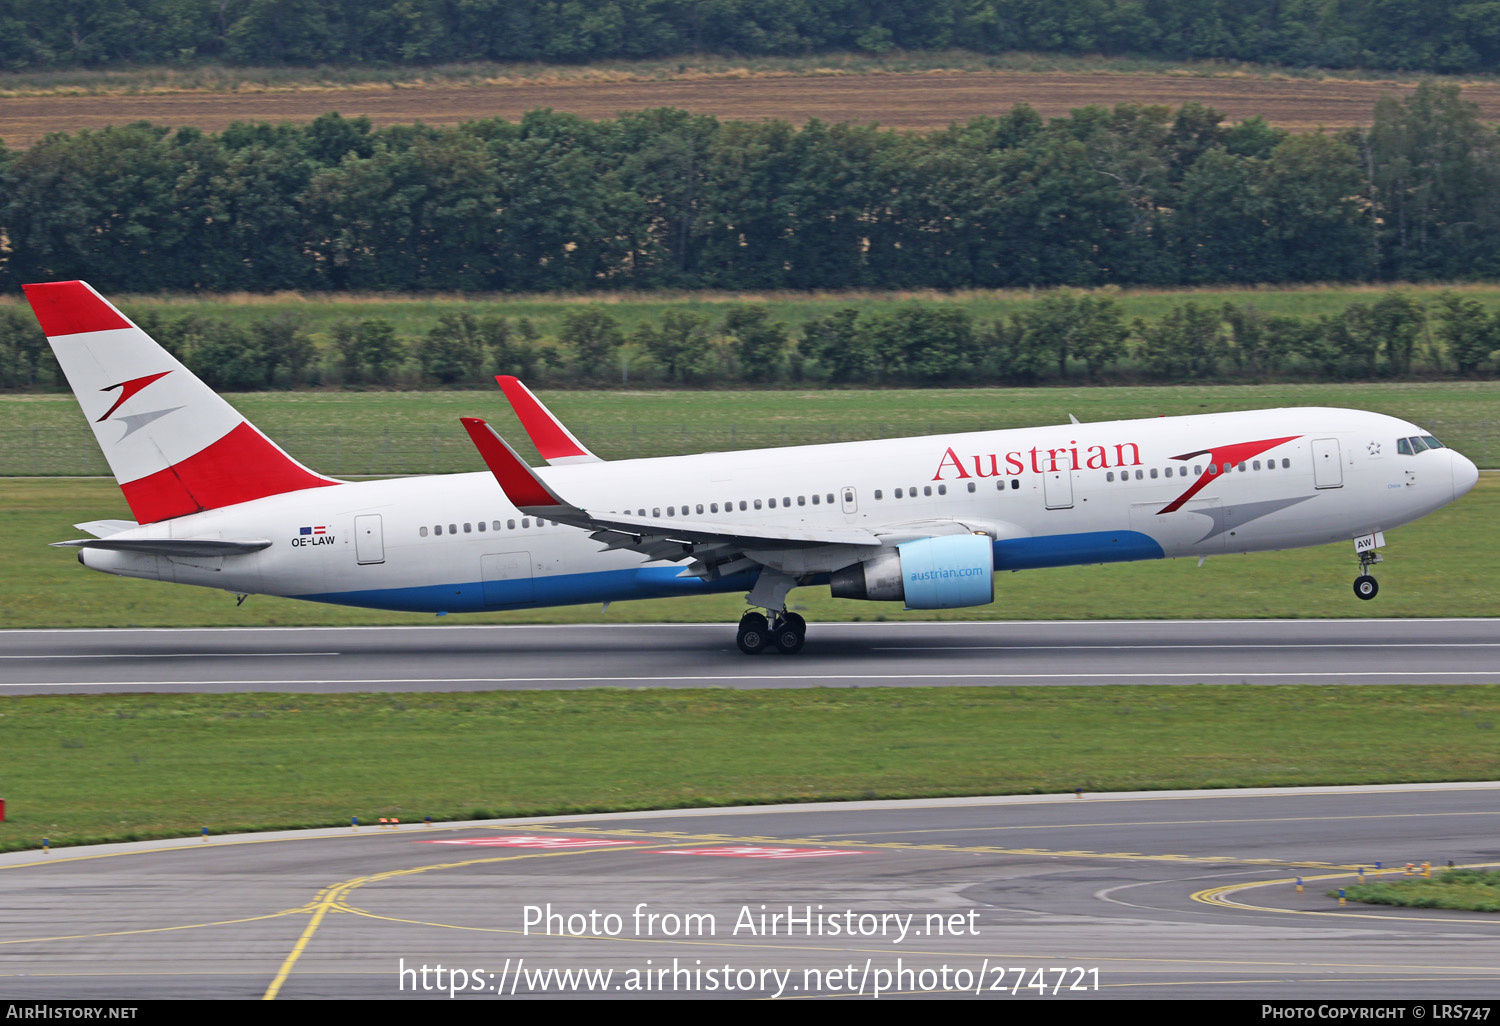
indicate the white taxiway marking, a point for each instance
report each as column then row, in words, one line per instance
column 609, row 681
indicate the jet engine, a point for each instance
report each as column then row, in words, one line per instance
column 929, row 573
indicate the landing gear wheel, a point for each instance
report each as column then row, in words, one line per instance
column 791, row 635
column 754, row 634
column 1366, row 587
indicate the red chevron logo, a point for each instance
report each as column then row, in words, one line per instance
column 1221, row 458
column 128, row 389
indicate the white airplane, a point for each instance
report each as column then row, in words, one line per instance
column 925, row 521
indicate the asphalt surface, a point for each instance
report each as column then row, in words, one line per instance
column 704, row 655
column 1161, row 895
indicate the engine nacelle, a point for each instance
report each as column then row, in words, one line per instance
column 929, row 573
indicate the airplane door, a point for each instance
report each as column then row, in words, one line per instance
column 1057, row 486
column 507, row 578
column 1328, row 470
column 851, row 505
column 369, row 540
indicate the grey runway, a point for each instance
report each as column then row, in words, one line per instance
column 1154, row 895
column 1453, row 651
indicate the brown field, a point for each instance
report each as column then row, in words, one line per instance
column 923, row 100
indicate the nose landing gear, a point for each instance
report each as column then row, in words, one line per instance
column 1365, row 586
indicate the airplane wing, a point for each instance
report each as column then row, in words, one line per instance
column 716, row 548
column 554, row 443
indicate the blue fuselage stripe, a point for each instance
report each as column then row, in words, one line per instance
column 664, row 582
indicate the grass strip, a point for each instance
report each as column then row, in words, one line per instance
column 89, row 769
column 352, row 433
column 209, row 77
column 1474, row 890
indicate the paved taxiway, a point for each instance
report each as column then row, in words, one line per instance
column 1165, row 895
column 704, row 655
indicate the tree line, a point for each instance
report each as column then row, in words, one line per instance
column 1430, row 35
column 1134, row 195
column 1064, row 336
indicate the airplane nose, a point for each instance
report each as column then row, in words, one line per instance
column 1465, row 474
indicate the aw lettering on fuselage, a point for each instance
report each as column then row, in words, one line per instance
column 1041, row 461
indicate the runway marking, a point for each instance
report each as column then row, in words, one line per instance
column 1166, row 822
column 525, row 842
column 180, row 655
column 1438, row 676
column 672, row 835
column 1220, row 896
column 1253, row 646
column 333, row 898
column 751, row 852
column 865, row 624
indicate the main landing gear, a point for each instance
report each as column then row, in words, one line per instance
column 1365, row 586
column 785, row 631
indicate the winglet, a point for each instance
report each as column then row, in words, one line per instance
column 527, row 492
column 555, row 443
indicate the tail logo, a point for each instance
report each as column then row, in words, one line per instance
column 1220, row 459
column 128, row 389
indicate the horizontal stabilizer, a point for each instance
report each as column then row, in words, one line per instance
column 105, row 528
column 170, row 546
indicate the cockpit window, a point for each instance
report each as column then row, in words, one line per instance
column 1403, row 446
column 1432, row 443
column 1417, row 445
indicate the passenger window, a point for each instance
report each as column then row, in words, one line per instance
column 786, row 500
column 422, row 531
column 1153, row 473
column 815, row 499
column 772, row 501
column 526, row 523
column 1110, row 476
column 1198, row 470
column 1213, row 468
column 757, row 504
column 942, row 489
column 927, row 490
column 481, row 526
column 713, row 507
column 971, row 489
column 1255, row 465
column 830, row 498
column 1286, row 464
column 1140, row 475
column 452, row 528
column 510, row 525
column 742, row 504
column 898, row 493
column 1014, row 484
column 468, row 529
column 802, row 500
column 438, row 530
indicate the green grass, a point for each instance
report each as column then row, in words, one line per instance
column 1474, row 890
column 1443, row 565
column 352, row 433
column 82, row 769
